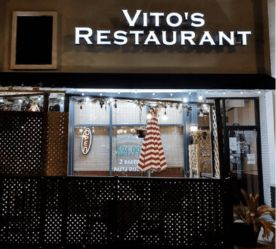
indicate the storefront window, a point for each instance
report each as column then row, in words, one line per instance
column 243, row 144
column 109, row 135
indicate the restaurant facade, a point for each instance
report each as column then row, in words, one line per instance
column 133, row 124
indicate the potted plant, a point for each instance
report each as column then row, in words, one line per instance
column 250, row 218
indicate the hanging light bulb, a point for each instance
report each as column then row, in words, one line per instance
column 87, row 99
column 165, row 117
column 101, row 103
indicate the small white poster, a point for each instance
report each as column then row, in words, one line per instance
column 251, row 158
column 233, row 143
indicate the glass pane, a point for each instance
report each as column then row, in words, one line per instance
column 243, row 158
column 126, row 145
column 240, row 112
column 172, row 138
column 127, row 112
column 91, row 137
column 88, row 112
column 96, row 161
column 171, row 115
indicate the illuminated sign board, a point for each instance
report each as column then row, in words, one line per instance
column 86, row 141
column 127, row 153
column 160, row 28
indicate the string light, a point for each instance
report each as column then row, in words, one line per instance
column 185, row 100
column 165, row 117
column 101, row 103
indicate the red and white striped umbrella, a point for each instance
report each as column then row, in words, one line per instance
column 152, row 155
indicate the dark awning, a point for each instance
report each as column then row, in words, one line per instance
column 142, row 81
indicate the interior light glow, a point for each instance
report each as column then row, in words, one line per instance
column 185, row 100
column 165, row 117
column 200, row 97
column 193, row 128
column 149, row 116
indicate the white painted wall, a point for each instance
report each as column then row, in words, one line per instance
column 268, row 143
column 271, row 21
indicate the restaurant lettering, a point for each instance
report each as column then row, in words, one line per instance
column 144, row 29
column 86, row 141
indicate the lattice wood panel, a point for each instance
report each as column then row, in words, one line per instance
column 21, row 143
column 20, row 211
column 201, row 155
column 88, row 212
column 57, row 144
column 91, row 206
column 194, row 160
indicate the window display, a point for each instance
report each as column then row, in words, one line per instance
column 123, row 138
